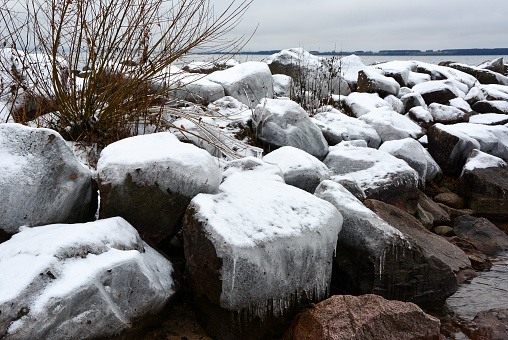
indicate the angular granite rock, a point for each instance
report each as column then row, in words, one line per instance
column 256, row 253
column 79, row 281
column 150, row 179
column 41, row 180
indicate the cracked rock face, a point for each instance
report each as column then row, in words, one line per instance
column 79, row 281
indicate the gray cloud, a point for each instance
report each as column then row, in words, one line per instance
column 375, row 25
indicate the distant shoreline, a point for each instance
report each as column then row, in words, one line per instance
column 450, row 52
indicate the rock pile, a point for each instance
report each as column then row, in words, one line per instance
column 353, row 196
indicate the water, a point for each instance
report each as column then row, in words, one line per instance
column 472, row 60
column 488, row 290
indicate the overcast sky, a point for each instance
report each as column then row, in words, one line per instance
column 373, row 25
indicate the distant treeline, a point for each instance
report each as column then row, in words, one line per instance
column 466, row 51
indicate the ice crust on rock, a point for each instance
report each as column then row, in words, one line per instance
column 159, row 158
column 66, row 274
column 359, row 104
column 300, row 169
column 391, row 125
column 492, row 139
column 275, row 241
column 338, row 127
column 41, row 179
column 281, row 122
column 248, row 82
column 415, row 155
column 372, row 169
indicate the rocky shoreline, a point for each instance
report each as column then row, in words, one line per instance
column 343, row 214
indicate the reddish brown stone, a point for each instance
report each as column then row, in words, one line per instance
column 364, row 317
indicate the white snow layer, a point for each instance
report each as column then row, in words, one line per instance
column 159, row 158
column 276, row 242
column 75, row 254
column 481, row 160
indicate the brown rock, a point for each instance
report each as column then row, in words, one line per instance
column 450, row 199
column 452, row 258
column 441, row 217
column 362, row 318
column 443, row 230
column 454, row 213
column 486, row 190
column 488, row 238
column 491, row 324
column 449, row 150
column 479, row 261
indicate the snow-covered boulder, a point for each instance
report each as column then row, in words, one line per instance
column 379, row 174
column 197, row 89
column 79, row 281
column 280, row 122
column 494, row 92
column 41, row 180
column 358, row 104
column 450, row 148
column 371, row 81
column 295, row 61
column 248, row 82
column 415, row 156
column 484, row 184
column 391, row 125
column 257, row 252
column 300, row 169
column 413, row 99
column 338, row 127
column 491, row 106
column 417, row 78
column 396, row 104
column 349, row 67
column 282, row 85
column 447, row 114
column 438, row 72
column 489, row 119
column 420, row 116
column 398, row 70
column 483, row 75
column 435, row 91
column 150, row 179
column 496, row 65
column 374, row 257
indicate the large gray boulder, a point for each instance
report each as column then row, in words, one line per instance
column 371, row 81
column 150, row 179
column 484, row 76
column 447, row 114
column 337, row 127
column 435, row 91
column 300, row 169
column 358, row 104
column 248, row 82
column 374, row 257
column 256, row 253
column 391, row 125
column 450, row 148
column 380, row 175
column 484, row 184
column 280, row 122
column 79, row 281
column 196, row 88
column 415, row 155
column 488, row 238
column 41, row 180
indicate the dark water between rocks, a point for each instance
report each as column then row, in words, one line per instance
column 488, row 290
